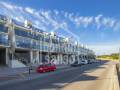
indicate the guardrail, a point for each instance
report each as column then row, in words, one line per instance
column 115, row 81
column 118, row 71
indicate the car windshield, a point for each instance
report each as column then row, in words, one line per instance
column 41, row 65
column 49, row 64
column 83, row 61
column 76, row 62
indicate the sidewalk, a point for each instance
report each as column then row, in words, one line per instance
column 12, row 71
column 102, row 78
column 7, row 74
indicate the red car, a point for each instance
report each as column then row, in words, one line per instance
column 46, row 68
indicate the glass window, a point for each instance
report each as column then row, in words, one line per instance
column 21, row 32
column 2, row 17
column 4, row 39
column 35, row 45
column 3, row 28
column 23, row 42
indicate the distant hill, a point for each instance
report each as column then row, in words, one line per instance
column 114, row 56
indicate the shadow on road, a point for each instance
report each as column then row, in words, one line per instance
column 56, row 80
column 83, row 77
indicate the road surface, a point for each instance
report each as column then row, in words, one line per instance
column 87, row 77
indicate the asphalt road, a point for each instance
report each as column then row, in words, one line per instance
column 60, row 79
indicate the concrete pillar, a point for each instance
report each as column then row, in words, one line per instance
column 7, row 58
column 37, row 57
column 73, row 56
column 31, row 56
column 40, row 57
column 59, row 58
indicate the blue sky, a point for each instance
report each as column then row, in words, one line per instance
column 95, row 23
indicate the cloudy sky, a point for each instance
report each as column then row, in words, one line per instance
column 95, row 23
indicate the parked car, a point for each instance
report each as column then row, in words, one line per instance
column 96, row 61
column 83, row 62
column 90, row 61
column 46, row 68
column 51, row 67
column 76, row 63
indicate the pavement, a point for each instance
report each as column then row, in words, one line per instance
column 13, row 74
column 95, row 76
column 99, row 79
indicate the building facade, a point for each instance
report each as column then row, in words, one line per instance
column 24, row 44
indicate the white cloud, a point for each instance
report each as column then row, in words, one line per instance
column 87, row 20
column 117, row 26
column 20, row 19
column 9, row 6
column 56, row 12
column 29, row 10
column 39, row 25
column 98, row 20
column 108, row 22
column 51, row 18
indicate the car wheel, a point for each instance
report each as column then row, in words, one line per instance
column 44, row 71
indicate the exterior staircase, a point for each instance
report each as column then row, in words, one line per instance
column 17, row 64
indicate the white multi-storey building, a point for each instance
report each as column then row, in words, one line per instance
column 21, row 45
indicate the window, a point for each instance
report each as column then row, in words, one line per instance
column 23, row 42
column 2, row 17
column 4, row 39
column 3, row 28
column 21, row 32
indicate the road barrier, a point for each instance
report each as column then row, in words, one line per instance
column 115, row 80
column 118, row 71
